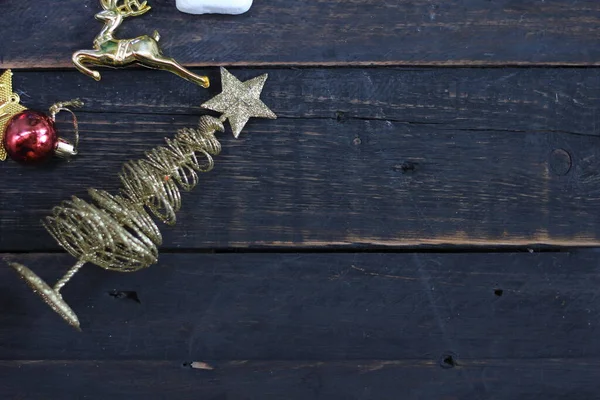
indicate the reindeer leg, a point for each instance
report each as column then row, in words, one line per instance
column 173, row 66
column 81, row 56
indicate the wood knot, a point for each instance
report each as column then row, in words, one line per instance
column 560, row 162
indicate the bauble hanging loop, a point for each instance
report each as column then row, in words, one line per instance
column 64, row 148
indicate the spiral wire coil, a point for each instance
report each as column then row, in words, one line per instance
column 117, row 232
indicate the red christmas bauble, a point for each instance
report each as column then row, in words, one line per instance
column 30, row 137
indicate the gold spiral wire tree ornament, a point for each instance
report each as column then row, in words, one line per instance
column 117, row 232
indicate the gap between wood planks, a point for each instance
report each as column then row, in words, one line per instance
column 424, row 249
column 58, row 66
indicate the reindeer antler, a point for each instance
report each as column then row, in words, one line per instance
column 127, row 8
column 108, row 4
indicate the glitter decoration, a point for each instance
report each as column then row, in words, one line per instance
column 117, row 232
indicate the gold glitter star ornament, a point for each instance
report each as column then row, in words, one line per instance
column 9, row 106
column 240, row 101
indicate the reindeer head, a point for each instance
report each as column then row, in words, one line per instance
column 114, row 11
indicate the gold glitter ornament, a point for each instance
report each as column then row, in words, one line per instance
column 240, row 101
column 116, row 232
column 9, row 106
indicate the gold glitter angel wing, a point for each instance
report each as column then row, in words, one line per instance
column 9, row 106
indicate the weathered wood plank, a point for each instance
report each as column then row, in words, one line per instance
column 325, row 32
column 323, row 307
column 364, row 379
column 506, row 130
column 504, row 99
column 320, row 182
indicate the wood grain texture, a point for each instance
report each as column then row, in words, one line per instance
column 322, row 307
column 500, row 99
column 357, row 158
column 297, row 268
column 325, row 32
column 354, row 380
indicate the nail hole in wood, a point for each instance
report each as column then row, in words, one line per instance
column 407, row 166
column 125, row 295
column 448, row 360
column 498, row 292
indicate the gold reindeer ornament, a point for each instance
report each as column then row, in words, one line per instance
column 143, row 50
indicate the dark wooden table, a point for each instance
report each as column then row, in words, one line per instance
column 419, row 223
